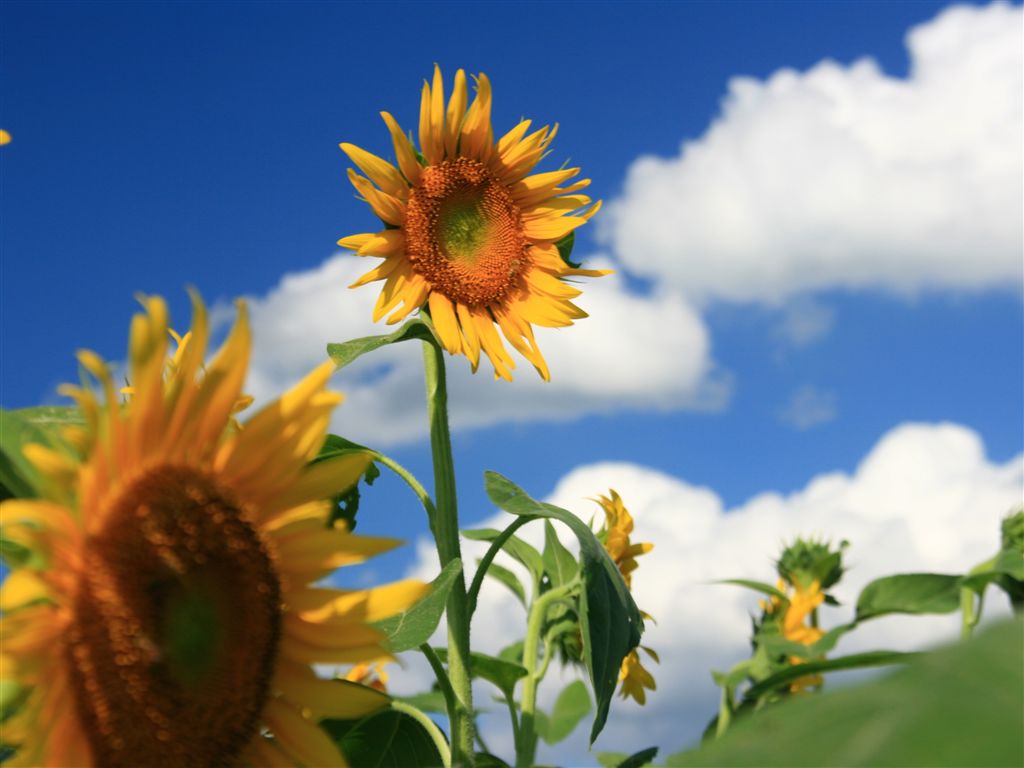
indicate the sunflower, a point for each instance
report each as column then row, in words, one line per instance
column 468, row 232
column 168, row 614
column 617, row 529
column 801, row 605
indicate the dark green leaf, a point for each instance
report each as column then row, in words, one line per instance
column 910, row 593
column 345, row 352
column 515, row 547
column 413, row 627
column 503, row 674
column 959, row 706
column 509, row 579
column 559, row 564
column 571, row 706
column 854, row 661
column 609, row 618
column 565, row 246
column 12, row 694
column 639, row 759
column 387, row 739
column 335, row 446
column 17, row 474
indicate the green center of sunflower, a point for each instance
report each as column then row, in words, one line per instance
column 464, row 233
column 175, row 626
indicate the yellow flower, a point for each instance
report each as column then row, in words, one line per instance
column 168, row 615
column 5, row 137
column 618, row 527
column 802, row 604
column 636, row 680
column 369, row 674
column 469, row 232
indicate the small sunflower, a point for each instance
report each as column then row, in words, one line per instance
column 795, row 623
column 617, row 529
column 168, row 615
column 469, row 233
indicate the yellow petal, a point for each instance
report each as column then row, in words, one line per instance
column 302, row 739
column 443, row 315
column 380, row 171
column 20, row 588
column 404, row 152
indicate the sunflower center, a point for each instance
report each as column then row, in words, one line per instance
column 175, row 626
column 464, row 233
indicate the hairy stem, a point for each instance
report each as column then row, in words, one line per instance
column 446, row 534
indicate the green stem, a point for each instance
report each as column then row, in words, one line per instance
column 492, row 551
column 429, row 726
column 526, row 745
column 442, row 677
column 446, row 534
column 411, row 481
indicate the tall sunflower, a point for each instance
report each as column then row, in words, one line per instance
column 617, row 530
column 168, row 614
column 469, row 233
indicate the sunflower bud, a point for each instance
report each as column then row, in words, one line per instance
column 806, row 561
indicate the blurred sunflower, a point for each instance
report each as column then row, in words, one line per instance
column 617, row 529
column 469, row 233
column 796, row 623
column 167, row 615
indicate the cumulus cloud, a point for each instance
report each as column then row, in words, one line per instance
column 633, row 352
column 809, row 407
column 924, row 498
column 845, row 177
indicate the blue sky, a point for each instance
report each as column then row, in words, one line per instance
column 162, row 145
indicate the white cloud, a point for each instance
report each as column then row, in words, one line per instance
column 925, row 498
column 809, row 407
column 842, row 176
column 634, row 352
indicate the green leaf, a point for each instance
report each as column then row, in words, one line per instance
column 509, row 579
column 910, row 593
column 958, row 706
column 565, row 246
column 513, row 652
column 609, row 618
column 757, row 586
column 336, row 446
column 386, row 739
column 503, row 674
column 559, row 564
column 515, row 547
column 777, row 645
column 414, row 626
column 639, row 759
column 610, row 759
column 43, row 425
column 854, row 661
column 429, row 701
column 571, row 706
column 347, row 351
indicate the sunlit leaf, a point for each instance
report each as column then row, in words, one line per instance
column 414, row 626
column 910, row 593
column 346, row 352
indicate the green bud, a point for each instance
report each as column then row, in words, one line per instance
column 806, row 561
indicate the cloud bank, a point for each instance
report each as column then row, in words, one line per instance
column 620, row 358
column 845, row 177
column 924, row 498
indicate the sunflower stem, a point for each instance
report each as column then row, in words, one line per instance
column 446, row 534
column 526, row 744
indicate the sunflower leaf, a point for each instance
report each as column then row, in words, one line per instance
column 559, row 564
column 414, row 626
column 565, row 246
column 571, row 706
column 610, row 621
column 509, row 579
column 515, row 547
column 757, row 586
column 346, row 352
column 503, row 674
column 384, row 739
column 959, row 705
column 910, row 593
